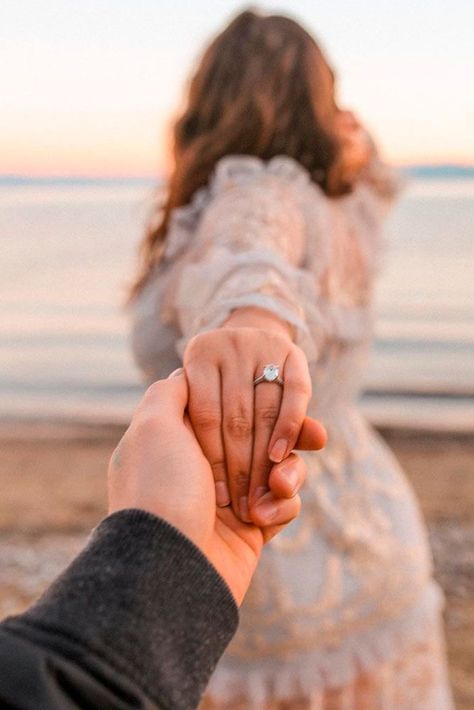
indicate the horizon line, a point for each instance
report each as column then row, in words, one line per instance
column 150, row 177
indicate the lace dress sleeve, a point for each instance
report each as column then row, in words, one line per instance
column 247, row 250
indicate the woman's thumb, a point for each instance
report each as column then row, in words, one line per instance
column 312, row 435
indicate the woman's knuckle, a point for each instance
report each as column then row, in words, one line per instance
column 290, row 426
column 300, row 387
column 198, row 345
column 197, row 340
column 219, row 470
column 238, row 426
column 298, row 352
column 206, row 418
column 241, row 480
column 268, row 413
column 261, row 470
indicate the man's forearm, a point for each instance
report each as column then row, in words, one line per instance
column 139, row 619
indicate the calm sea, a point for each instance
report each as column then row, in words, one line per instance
column 67, row 253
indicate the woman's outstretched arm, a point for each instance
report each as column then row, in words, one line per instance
column 240, row 308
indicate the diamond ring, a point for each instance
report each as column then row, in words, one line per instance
column 271, row 373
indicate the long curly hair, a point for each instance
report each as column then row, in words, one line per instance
column 264, row 88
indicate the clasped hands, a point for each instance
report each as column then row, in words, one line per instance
column 205, row 431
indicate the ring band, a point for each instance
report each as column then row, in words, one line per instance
column 270, row 373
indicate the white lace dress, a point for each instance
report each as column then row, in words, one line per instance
column 343, row 612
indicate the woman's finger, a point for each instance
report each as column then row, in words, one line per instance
column 271, row 511
column 287, row 477
column 205, row 413
column 294, row 404
column 267, row 400
column 237, row 433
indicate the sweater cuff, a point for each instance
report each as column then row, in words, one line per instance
column 146, row 600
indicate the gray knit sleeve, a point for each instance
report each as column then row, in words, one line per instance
column 144, row 601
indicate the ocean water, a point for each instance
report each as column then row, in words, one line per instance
column 66, row 255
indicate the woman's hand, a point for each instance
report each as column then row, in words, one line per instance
column 159, row 466
column 357, row 148
column 243, row 428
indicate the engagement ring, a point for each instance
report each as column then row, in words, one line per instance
column 271, row 373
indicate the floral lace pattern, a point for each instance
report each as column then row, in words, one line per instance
column 416, row 680
column 344, row 596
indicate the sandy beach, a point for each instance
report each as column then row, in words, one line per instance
column 53, row 491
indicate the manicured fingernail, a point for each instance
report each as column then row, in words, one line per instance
column 291, row 475
column 176, row 373
column 278, row 450
column 222, row 494
column 267, row 511
column 244, row 509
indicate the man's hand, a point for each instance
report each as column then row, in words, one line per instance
column 159, row 466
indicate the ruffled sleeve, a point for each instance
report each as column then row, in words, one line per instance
column 247, row 249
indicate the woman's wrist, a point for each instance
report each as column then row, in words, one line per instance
column 254, row 317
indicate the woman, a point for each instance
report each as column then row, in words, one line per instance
column 264, row 255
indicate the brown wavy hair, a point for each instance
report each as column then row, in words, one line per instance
column 264, row 88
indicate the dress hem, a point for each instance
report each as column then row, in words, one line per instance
column 326, row 669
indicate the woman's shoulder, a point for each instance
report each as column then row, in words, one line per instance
column 283, row 177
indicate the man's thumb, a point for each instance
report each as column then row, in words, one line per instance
column 168, row 397
column 178, row 393
column 176, row 373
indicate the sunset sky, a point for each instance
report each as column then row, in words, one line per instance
column 88, row 88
